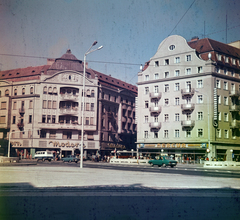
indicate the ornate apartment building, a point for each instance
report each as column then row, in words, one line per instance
column 41, row 109
column 188, row 100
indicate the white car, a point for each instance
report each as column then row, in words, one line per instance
column 44, row 155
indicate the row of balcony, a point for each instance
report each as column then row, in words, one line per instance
column 184, row 107
column 234, row 93
column 184, row 123
column 235, row 124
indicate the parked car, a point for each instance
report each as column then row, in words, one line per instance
column 44, row 155
column 163, row 161
column 70, row 158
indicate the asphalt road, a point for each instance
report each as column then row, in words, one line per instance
column 105, row 191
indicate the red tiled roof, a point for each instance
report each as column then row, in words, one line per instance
column 113, row 82
column 23, row 74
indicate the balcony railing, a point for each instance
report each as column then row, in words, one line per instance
column 22, row 110
column 187, row 91
column 69, row 96
column 234, row 108
column 188, row 107
column 188, row 123
column 234, row 93
column 155, row 95
column 235, row 124
column 68, row 110
column 155, row 125
column 155, row 109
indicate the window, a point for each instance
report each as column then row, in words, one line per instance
column 43, row 118
column 217, row 69
column 219, row 99
column 146, row 90
column 23, row 91
column 31, row 90
column 156, row 63
column 14, row 120
column 188, row 58
column 146, row 104
column 166, row 87
column 200, row 116
column 92, row 93
column 219, row 116
column 30, row 104
column 166, row 101
column 218, row 84
column 177, row 133
column 225, row 99
column 155, row 118
column 177, row 87
column 49, row 104
column 166, row 117
column 44, row 103
column 225, row 85
column 166, row 74
column 200, row 132
column 53, row 119
column 165, row 133
column 171, row 47
column 91, row 120
column 177, row 72
column 92, row 106
column 145, row 134
column 67, row 135
column 45, row 90
column 225, row 116
column 156, row 76
column 225, row 133
column 14, row 105
column 3, row 105
column 188, row 133
column 232, row 87
column 15, row 91
column 146, row 77
column 43, row 134
column 87, row 121
column 87, row 106
column 146, row 119
column 156, row 89
column 49, row 119
column 166, row 62
column 218, row 133
column 176, row 101
column 155, row 135
column 54, row 104
column 177, row 116
column 2, row 119
column 199, row 69
column 200, row 83
column 188, row 116
column 177, row 59
column 156, row 103
column 6, row 92
column 52, row 134
column 30, row 119
column 55, row 90
column 200, row 99
column 225, row 71
column 188, row 71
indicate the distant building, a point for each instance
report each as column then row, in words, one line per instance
column 172, row 105
column 42, row 108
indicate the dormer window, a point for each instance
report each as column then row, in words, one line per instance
column 171, row 47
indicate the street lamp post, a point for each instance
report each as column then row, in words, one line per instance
column 83, row 96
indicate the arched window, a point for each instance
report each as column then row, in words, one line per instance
column 88, row 92
column 31, row 90
column 15, row 91
column 6, row 92
column 45, row 90
column 23, row 91
column 50, row 90
column 92, row 93
column 55, row 90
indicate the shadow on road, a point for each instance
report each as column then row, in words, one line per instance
column 24, row 201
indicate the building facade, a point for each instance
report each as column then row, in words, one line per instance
column 41, row 109
column 188, row 100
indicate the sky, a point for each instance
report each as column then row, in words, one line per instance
column 130, row 31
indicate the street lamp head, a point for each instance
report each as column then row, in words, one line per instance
column 94, row 43
column 100, row 47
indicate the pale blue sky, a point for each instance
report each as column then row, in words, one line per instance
column 129, row 30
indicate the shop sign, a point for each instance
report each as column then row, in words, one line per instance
column 172, row 145
column 58, row 144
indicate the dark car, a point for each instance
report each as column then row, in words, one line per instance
column 70, row 158
column 163, row 161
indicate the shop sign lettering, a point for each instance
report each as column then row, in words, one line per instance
column 58, row 144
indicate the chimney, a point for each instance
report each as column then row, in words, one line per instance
column 194, row 39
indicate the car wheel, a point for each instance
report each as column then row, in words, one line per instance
column 151, row 164
column 159, row 165
column 76, row 161
column 43, row 159
column 172, row 166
